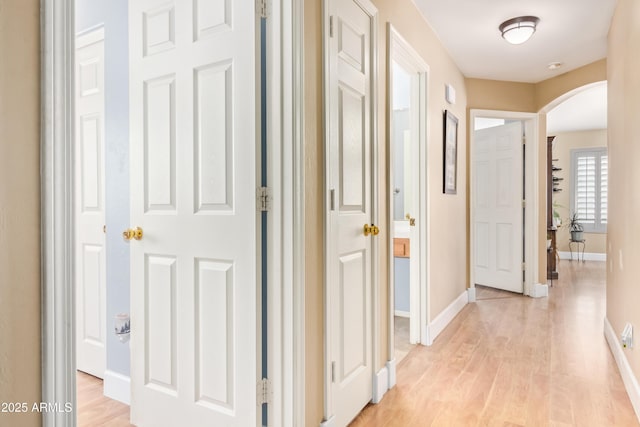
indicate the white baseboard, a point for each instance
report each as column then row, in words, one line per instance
column 539, row 290
column 471, row 293
column 401, row 313
column 117, row 387
column 391, row 368
column 588, row 256
column 331, row 422
column 380, row 385
column 629, row 379
column 443, row 319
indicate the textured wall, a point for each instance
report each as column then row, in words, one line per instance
column 623, row 251
column 20, row 208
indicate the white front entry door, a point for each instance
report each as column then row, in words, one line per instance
column 497, row 184
column 194, row 313
column 90, row 272
column 349, row 180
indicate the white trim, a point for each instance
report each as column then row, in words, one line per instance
column 90, row 36
column 401, row 313
column 588, row 256
column 368, row 6
column 58, row 355
column 471, row 293
column 538, row 291
column 117, row 387
column 380, row 385
column 628, row 378
column 398, row 48
column 532, row 191
column 391, row 368
column 295, row 22
column 286, row 220
column 443, row 319
column 331, row 422
column 326, row 224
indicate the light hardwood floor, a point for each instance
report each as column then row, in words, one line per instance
column 510, row 360
column 94, row 409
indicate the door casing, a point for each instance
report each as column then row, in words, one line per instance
column 286, row 225
column 532, row 285
column 398, row 47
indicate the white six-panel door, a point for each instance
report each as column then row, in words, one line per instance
column 90, row 272
column 497, row 207
column 350, row 141
column 193, row 180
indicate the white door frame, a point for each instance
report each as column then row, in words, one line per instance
column 367, row 6
column 286, row 224
column 397, row 46
column 532, row 287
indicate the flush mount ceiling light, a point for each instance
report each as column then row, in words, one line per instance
column 519, row 30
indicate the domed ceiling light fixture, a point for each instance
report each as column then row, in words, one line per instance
column 519, row 30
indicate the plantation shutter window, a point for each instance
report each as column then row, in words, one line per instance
column 589, row 188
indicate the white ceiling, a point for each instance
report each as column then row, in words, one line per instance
column 586, row 110
column 573, row 32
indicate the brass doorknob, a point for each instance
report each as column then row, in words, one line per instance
column 367, row 229
column 132, row 233
column 412, row 221
column 371, row 229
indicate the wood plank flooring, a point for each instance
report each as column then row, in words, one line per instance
column 509, row 360
column 94, row 409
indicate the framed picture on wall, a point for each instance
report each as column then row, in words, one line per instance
column 450, row 137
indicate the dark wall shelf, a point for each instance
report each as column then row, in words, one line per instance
column 552, row 187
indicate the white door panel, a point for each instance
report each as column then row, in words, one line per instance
column 350, row 177
column 497, row 214
column 193, row 177
column 90, row 272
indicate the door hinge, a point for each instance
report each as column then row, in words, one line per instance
column 331, row 26
column 524, row 266
column 264, row 391
column 263, row 198
column 332, row 199
column 262, row 7
column 524, row 203
column 333, row 372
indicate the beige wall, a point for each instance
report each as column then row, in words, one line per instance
column 623, row 268
column 562, row 146
column 19, row 208
column 502, row 96
column 549, row 90
column 531, row 98
column 448, row 244
column 314, row 259
column 447, row 213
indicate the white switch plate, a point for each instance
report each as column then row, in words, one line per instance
column 627, row 336
column 449, row 94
